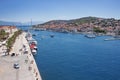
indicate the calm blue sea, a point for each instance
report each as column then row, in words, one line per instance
column 75, row 57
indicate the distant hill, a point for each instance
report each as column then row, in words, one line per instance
column 9, row 23
column 85, row 24
column 33, row 23
column 19, row 23
column 84, row 20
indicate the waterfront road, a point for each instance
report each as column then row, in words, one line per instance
column 27, row 66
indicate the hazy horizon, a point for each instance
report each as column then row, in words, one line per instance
column 46, row 10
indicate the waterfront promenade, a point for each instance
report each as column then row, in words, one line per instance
column 28, row 69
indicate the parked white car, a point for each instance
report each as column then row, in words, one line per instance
column 16, row 66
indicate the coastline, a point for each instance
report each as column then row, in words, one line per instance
column 75, row 32
column 35, row 70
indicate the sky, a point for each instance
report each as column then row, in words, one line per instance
column 45, row 10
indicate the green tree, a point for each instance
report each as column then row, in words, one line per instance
column 12, row 39
column 3, row 35
column 98, row 30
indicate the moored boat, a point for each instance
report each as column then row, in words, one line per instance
column 51, row 35
column 32, row 43
column 110, row 39
column 34, row 52
column 33, row 35
column 90, row 36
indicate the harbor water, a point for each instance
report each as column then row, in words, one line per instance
column 75, row 57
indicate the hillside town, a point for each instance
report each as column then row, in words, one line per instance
column 105, row 26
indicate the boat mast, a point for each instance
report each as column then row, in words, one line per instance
column 31, row 22
column 30, row 25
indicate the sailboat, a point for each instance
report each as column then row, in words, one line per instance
column 32, row 42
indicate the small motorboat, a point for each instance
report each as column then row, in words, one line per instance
column 51, row 35
column 33, row 35
column 34, row 52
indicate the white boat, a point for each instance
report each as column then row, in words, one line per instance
column 110, row 39
column 90, row 36
column 34, row 52
column 35, row 47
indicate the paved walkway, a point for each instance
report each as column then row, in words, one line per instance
column 28, row 69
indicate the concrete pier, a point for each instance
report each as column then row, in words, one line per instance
column 28, row 69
